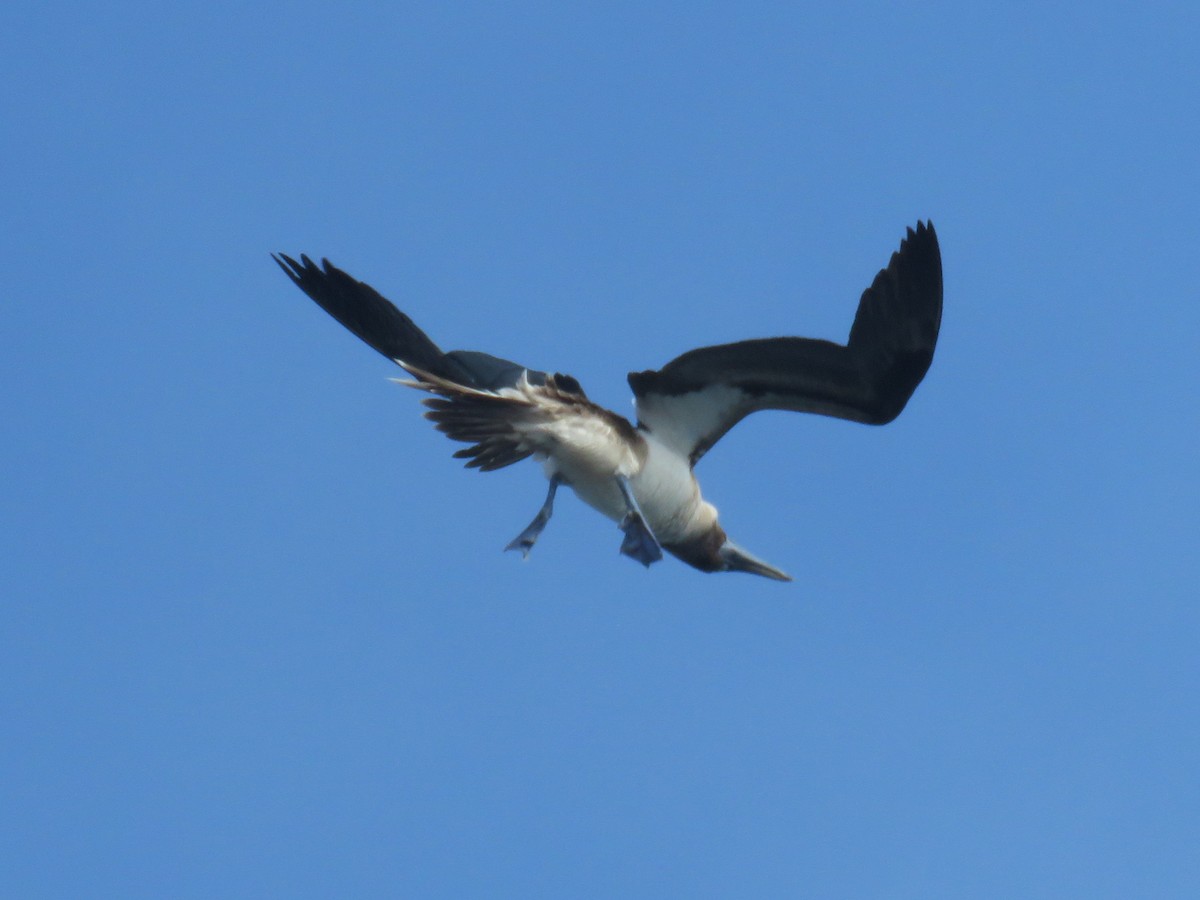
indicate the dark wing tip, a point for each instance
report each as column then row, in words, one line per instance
column 362, row 310
column 307, row 275
column 291, row 268
column 376, row 320
column 899, row 318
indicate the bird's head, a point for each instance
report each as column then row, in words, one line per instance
column 712, row 551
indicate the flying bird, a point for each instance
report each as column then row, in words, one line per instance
column 642, row 475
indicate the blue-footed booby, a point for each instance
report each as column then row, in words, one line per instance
column 642, row 476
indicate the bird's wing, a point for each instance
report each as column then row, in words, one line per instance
column 508, row 424
column 697, row 397
column 505, row 411
column 374, row 319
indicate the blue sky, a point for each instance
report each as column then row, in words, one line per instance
column 257, row 637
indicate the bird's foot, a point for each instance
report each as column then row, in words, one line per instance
column 527, row 538
column 639, row 543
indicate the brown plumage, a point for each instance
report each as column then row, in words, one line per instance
column 507, row 425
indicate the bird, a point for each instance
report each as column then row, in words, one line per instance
column 641, row 474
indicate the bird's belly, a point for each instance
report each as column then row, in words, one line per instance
column 667, row 512
column 602, row 496
column 663, row 485
column 589, row 456
column 668, row 494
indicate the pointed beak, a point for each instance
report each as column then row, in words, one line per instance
column 735, row 559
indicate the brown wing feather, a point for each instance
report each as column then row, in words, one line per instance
column 499, row 425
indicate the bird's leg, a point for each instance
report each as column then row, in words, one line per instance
column 527, row 538
column 639, row 543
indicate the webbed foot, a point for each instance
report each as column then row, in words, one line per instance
column 527, row 538
column 639, row 543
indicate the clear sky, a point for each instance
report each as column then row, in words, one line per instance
column 257, row 634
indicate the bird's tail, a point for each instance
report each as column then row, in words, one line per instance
column 503, row 426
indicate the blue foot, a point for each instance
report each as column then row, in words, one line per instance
column 527, row 538
column 639, row 543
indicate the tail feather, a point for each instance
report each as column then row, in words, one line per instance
column 501, row 426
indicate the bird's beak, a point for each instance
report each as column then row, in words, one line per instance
column 735, row 559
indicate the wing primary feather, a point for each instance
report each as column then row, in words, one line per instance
column 377, row 321
column 697, row 397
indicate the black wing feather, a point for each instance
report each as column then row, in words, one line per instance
column 870, row 379
column 376, row 321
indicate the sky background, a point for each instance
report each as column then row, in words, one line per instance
column 257, row 634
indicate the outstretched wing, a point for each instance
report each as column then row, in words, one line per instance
column 374, row 319
column 697, row 397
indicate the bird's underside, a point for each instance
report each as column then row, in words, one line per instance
column 642, row 477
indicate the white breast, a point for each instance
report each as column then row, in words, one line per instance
column 669, row 494
column 589, row 454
